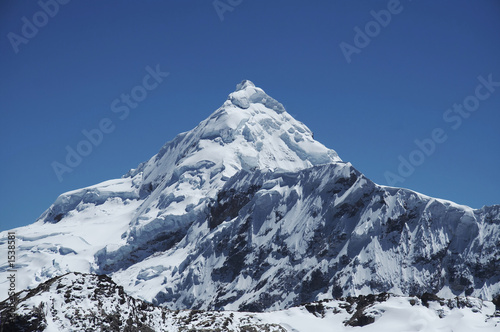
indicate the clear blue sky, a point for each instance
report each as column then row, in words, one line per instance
column 394, row 90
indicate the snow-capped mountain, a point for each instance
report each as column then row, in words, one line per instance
column 87, row 302
column 248, row 212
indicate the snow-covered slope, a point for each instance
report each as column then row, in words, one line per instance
column 248, row 212
column 85, row 302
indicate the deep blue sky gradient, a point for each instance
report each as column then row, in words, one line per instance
column 370, row 110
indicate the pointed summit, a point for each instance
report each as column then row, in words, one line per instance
column 250, row 131
column 244, row 84
column 247, row 94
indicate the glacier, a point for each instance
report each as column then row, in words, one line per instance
column 248, row 212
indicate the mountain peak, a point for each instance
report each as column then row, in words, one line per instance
column 248, row 212
column 247, row 93
column 250, row 131
column 244, row 84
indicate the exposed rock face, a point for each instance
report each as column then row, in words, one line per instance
column 274, row 240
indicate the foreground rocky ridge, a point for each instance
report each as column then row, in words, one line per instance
column 87, row 302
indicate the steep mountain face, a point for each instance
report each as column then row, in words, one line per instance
column 248, row 212
column 87, row 302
